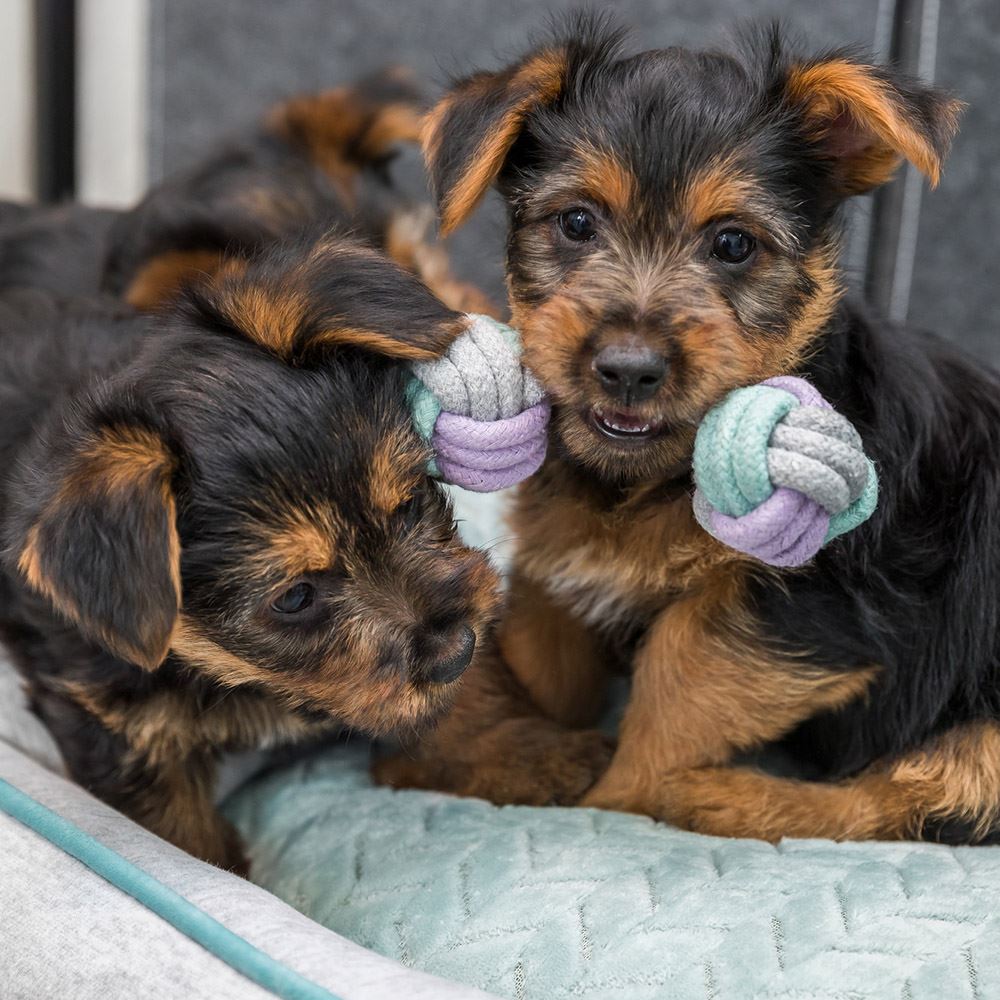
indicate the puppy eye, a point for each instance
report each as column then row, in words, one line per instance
column 578, row 224
column 294, row 600
column 733, row 246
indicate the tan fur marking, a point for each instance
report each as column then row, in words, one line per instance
column 120, row 458
column 340, row 130
column 347, row 687
column 821, row 267
column 392, row 476
column 705, row 688
column 537, row 82
column 537, row 630
column 30, row 564
column 716, row 192
column 297, row 542
column 956, row 776
column 378, row 342
column 170, row 724
column 832, row 88
column 607, row 180
column 164, row 277
column 270, row 317
column 407, row 245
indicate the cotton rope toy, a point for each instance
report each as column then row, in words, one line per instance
column 779, row 473
column 484, row 415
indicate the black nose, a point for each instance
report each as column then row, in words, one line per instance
column 446, row 653
column 630, row 373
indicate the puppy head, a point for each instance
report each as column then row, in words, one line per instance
column 672, row 218
column 263, row 517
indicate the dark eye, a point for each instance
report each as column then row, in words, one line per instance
column 578, row 224
column 295, row 599
column 733, row 246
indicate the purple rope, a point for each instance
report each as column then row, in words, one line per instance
column 485, row 456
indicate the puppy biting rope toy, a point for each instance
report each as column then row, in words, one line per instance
column 779, row 473
column 484, row 415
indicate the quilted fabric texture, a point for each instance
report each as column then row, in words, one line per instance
column 539, row 904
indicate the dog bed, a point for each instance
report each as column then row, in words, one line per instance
column 523, row 903
column 540, row 904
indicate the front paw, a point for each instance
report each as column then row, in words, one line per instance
column 522, row 763
column 621, row 797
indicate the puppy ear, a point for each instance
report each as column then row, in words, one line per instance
column 96, row 534
column 467, row 136
column 298, row 301
column 867, row 119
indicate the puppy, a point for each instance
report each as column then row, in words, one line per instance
column 322, row 156
column 218, row 529
column 674, row 234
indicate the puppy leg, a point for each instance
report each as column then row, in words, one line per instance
column 407, row 244
column 148, row 775
column 174, row 800
column 493, row 744
column 557, row 661
column 703, row 690
column 948, row 790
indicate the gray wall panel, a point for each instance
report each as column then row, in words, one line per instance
column 956, row 284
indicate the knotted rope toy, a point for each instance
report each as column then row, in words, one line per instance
column 484, row 415
column 779, row 473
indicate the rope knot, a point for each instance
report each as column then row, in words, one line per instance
column 779, row 473
column 482, row 412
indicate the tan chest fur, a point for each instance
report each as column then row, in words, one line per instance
column 611, row 566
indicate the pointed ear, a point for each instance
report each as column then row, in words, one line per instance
column 298, row 301
column 467, row 136
column 867, row 119
column 98, row 538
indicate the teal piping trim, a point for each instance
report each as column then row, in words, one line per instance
column 153, row 894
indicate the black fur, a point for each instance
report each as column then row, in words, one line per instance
column 917, row 588
column 245, row 445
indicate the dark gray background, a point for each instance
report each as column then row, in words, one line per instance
column 930, row 257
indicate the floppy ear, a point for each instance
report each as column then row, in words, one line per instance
column 467, row 136
column 96, row 534
column 867, row 119
column 299, row 300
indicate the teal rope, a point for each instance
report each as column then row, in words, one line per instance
column 153, row 894
column 730, row 457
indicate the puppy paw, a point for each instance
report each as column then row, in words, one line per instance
column 524, row 764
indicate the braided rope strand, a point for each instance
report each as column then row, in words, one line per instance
column 483, row 414
column 779, row 473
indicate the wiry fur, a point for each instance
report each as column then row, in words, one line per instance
column 880, row 661
column 168, row 477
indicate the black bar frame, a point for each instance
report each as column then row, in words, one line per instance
column 55, row 99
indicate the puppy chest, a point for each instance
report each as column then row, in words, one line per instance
column 602, row 589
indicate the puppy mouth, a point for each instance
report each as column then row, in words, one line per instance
column 625, row 426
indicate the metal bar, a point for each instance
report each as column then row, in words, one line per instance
column 55, row 85
column 896, row 206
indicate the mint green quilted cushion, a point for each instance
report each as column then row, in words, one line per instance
column 541, row 904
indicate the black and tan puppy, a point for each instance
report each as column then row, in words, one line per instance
column 218, row 527
column 321, row 156
column 674, row 232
